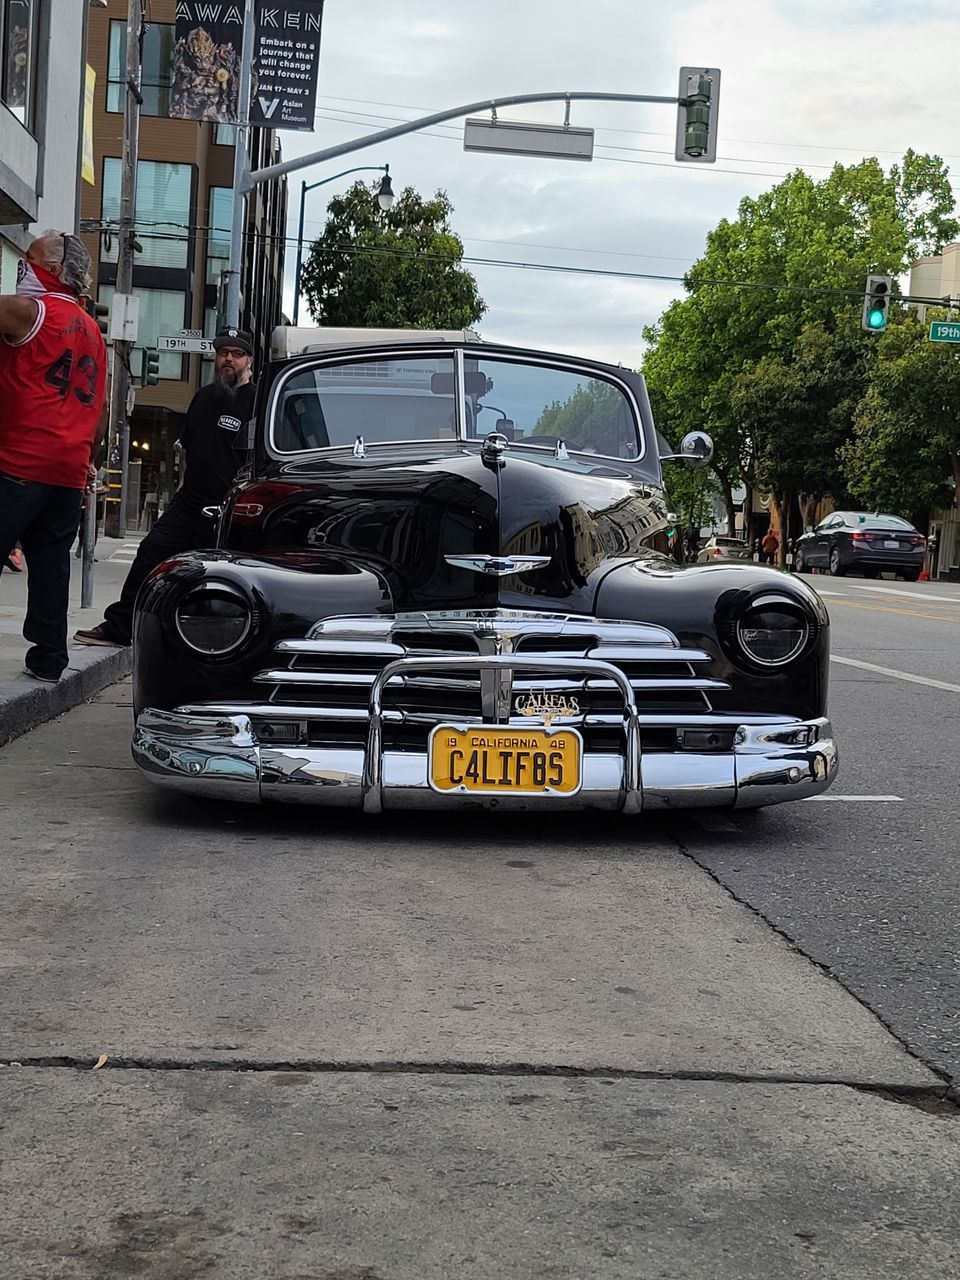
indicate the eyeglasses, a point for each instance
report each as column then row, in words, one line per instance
column 234, row 352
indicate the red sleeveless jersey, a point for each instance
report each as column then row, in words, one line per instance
column 51, row 395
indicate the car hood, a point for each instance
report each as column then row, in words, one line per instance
column 418, row 516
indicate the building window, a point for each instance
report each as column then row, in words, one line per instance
column 156, row 71
column 162, row 313
column 225, row 135
column 218, row 237
column 163, row 211
column 19, row 20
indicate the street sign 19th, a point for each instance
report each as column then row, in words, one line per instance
column 944, row 331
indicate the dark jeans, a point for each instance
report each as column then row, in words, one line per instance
column 43, row 519
column 179, row 529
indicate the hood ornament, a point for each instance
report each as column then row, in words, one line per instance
column 359, row 448
column 560, row 452
column 498, row 566
column 494, row 447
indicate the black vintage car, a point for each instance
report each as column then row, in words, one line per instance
column 442, row 581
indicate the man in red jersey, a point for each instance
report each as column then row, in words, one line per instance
column 53, row 366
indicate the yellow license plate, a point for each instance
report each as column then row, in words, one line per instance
column 493, row 760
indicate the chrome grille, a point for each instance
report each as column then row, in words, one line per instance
column 323, row 682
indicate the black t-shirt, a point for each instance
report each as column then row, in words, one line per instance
column 215, row 439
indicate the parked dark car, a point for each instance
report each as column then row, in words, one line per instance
column 719, row 547
column 410, row 607
column 862, row 542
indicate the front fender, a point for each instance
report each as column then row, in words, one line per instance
column 700, row 603
column 287, row 591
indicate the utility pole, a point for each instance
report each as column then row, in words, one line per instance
column 122, row 347
column 240, row 168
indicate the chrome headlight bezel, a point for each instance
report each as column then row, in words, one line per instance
column 806, row 628
column 214, row 589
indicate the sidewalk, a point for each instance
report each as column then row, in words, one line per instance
column 24, row 702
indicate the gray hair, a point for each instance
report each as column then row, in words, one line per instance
column 62, row 247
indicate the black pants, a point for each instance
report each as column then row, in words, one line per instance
column 43, row 519
column 179, row 529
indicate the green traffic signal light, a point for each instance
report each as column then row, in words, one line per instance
column 876, row 303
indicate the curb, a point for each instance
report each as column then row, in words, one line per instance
column 25, row 703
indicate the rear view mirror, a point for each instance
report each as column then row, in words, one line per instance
column 444, row 384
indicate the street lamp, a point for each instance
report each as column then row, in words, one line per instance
column 385, row 198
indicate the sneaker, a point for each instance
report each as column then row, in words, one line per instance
column 35, row 675
column 102, row 635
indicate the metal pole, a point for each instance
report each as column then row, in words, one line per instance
column 296, row 278
column 128, row 205
column 240, row 168
column 254, row 177
column 88, row 547
column 304, row 188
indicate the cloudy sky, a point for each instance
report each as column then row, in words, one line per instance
column 805, row 83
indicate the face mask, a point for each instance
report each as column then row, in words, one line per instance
column 34, row 281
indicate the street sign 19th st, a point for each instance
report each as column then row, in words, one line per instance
column 944, row 331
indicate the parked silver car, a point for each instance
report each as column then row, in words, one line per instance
column 721, row 548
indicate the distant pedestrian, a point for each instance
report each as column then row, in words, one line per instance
column 53, row 365
column 214, row 443
column 769, row 546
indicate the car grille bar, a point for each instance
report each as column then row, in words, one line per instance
column 569, row 670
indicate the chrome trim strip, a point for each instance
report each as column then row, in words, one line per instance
column 294, row 675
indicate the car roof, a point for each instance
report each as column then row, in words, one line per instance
column 288, row 341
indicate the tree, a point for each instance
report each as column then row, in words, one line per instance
column 786, row 266
column 394, row 270
column 904, row 455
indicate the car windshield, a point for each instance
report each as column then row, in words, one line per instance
column 413, row 397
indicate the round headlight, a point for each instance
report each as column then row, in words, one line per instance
column 213, row 619
column 773, row 632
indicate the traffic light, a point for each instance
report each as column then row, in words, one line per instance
column 151, row 368
column 698, row 101
column 100, row 312
column 876, row 304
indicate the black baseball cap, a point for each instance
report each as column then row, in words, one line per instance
column 242, row 339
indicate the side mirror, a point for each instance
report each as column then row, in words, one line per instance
column 696, row 450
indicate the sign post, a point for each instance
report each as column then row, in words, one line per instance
column 192, row 345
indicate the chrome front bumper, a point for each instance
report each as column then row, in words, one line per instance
column 218, row 755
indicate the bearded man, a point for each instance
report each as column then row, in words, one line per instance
column 214, row 445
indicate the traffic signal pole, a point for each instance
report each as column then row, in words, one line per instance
column 122, row 349
column 246, row 179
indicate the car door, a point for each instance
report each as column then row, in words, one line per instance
column 816, row 551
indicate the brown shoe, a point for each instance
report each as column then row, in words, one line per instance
column 101, row 635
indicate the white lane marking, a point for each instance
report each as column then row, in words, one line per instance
column 831, row 796
column 897, row 675
column 895, row 591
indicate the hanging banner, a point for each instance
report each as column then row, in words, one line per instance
column 286, row 59
column 88, row 172
column 206, row 61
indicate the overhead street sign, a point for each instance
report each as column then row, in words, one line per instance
column 944, row 331
column 513, row 137
column 186, row 346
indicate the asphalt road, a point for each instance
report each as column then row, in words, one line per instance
column 413, row 1049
